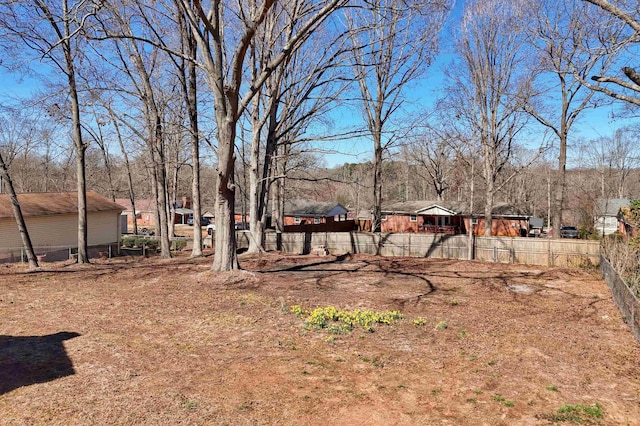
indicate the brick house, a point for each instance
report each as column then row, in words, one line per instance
column 451, row 217
column 303, row 212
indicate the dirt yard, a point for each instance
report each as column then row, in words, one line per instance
column 147, row 341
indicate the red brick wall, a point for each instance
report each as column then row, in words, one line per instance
column 400, row 223
column 500, row 227
column 144, row 219
column 304, row 220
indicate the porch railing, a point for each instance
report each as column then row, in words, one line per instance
column 438, row 229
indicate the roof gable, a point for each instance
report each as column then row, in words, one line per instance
column 55, row 203
column 436, row 210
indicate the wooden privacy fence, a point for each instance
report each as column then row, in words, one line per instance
column 532, row 251
column 623, row 296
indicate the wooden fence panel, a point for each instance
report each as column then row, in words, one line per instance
column 532, row 251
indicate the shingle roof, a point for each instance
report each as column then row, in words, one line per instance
column 55, row 203
column 412, row 207
column 611, row 206
column 458, row 207
column 312, row 208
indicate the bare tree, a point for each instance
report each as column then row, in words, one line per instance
column 294, row 97
column 596, row 154
column 432, row 155
column 393, row 43
column 189, row 86
column 52, row 30
column 17, row 213
column 560, row 35
column 484, row 93
column 142, row 67
column 614, row 157
column 625, row 86
column 224, row 34
column 625, row 156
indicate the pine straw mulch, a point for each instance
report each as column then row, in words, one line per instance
column 150, row 341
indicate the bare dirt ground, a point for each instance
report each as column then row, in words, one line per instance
column 147, row 341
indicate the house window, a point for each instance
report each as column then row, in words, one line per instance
column 413, row 218
column 383, row 217
column 296, row 220
column 316, row 220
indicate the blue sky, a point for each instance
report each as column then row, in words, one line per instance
column 421, row 96
column 591, row 123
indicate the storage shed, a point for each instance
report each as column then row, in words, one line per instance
column 52, row 222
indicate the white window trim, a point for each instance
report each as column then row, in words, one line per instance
column 316, row 220
column 296, row 220
column 413, row 218
column 383, row 216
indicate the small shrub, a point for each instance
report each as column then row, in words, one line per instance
column 322, row 318
column 442, row 325
column 128, row 242
column 152, row 245
column 179, row 245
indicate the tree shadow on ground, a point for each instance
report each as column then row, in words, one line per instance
column 27, row 360
column 325, row 271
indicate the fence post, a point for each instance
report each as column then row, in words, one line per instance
column 21, row 254
column 495, row 253
column 512, row 253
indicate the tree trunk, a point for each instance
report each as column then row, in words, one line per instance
column 226, row 258
column 277, row 214
column 255, row 225
column 471, row 195
column 17, row 212
column 377, row 183
column 558, row 204
column 488, row 210
column 195, row 159
column 162, row 200
column 259, row 187
column 83, row 256
column 489, row 171
column 154, row 193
